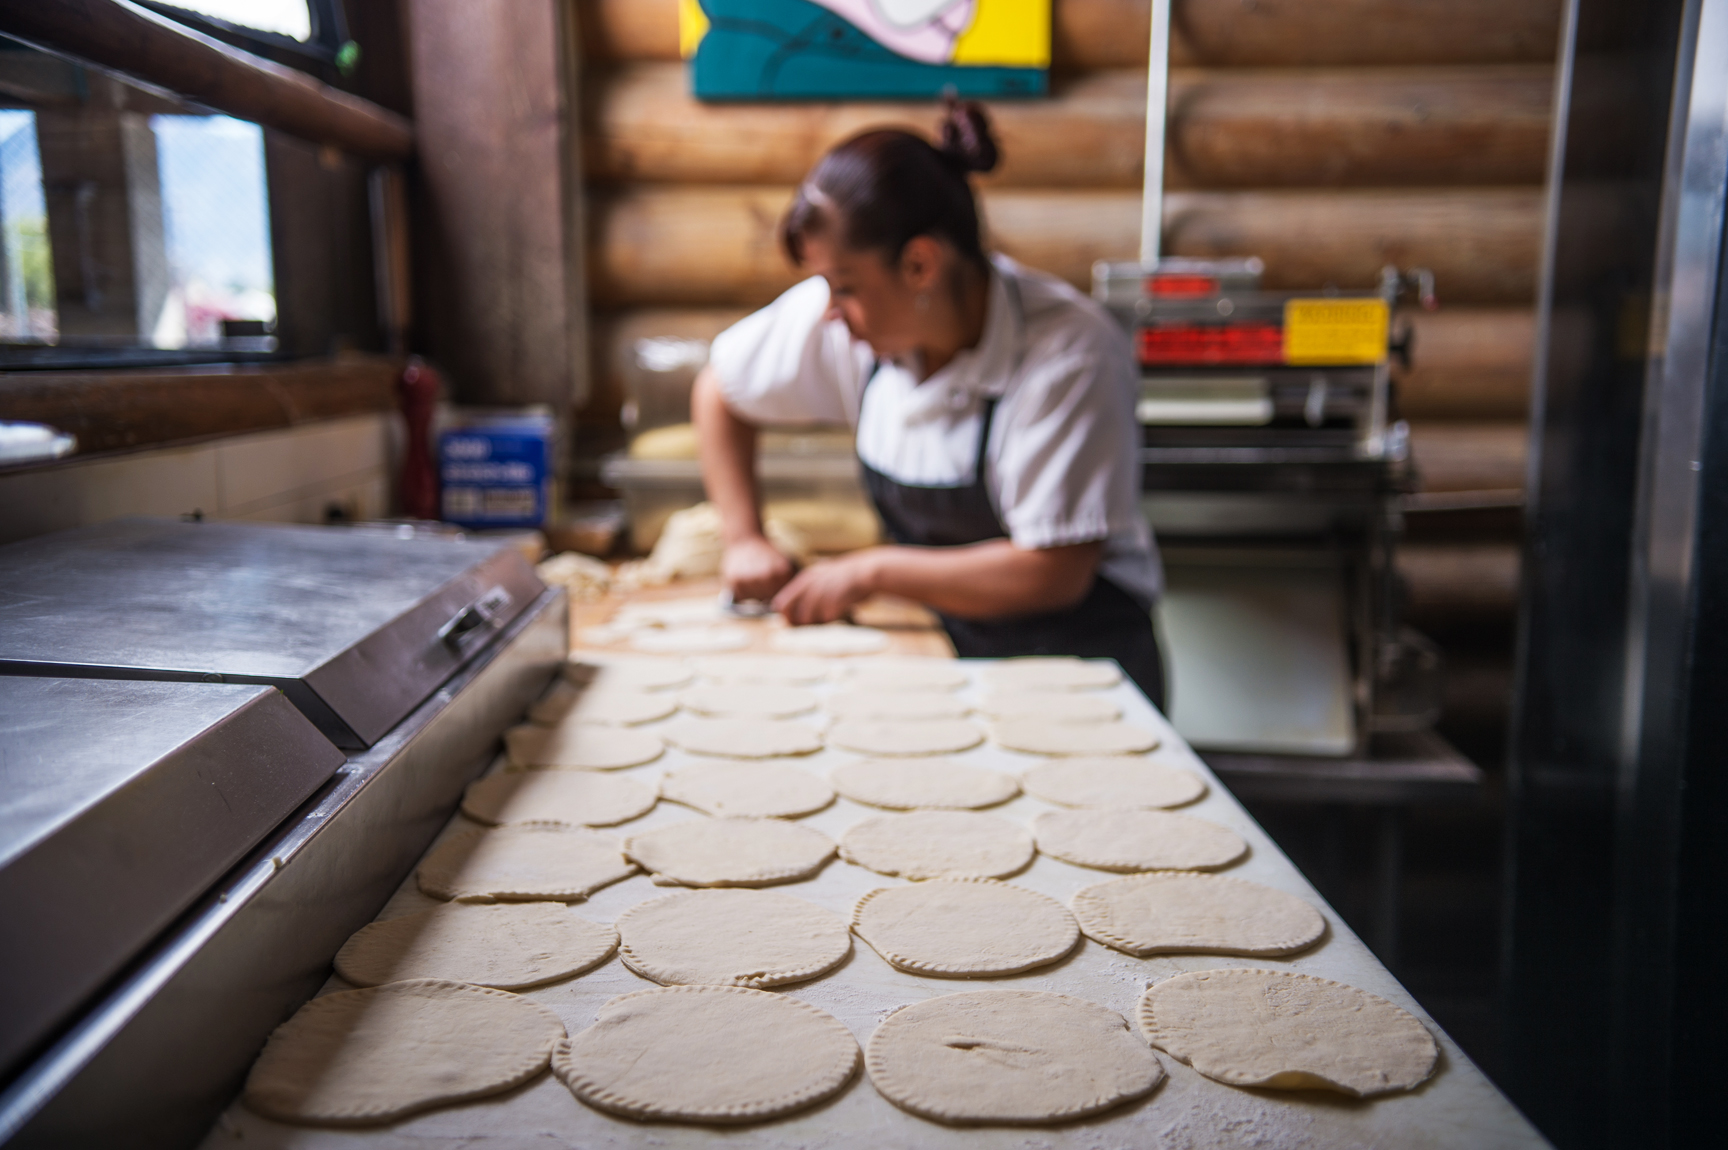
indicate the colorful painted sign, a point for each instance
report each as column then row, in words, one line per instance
column 865, row 49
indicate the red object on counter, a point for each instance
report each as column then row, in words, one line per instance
column 418, row 485
column 1177, row 345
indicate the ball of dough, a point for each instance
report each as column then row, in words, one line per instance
column 910, row 784
column 730, row 852
column 756, row 938
column 504, row 945
column 577, row 798
column 938, row 844
column 759, row 790
column 1176, row 913
column 523, row 863
column 1008, row 1056
column 962, row 928
column 904, row 736
column 713, row 1054
column 1137, row 840
column 1120, row 782
column 1287, row 1031
column 365, row 1057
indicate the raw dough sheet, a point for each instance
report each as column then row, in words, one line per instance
column 1458, row 1107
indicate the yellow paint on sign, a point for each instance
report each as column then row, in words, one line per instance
column 692, row 26
column 1335, row 331
column 1007, row 33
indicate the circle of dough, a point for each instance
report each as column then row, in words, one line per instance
column 567, row 703
column 745, row 738
column 628, row 674
column 1177, row 913
column 730, row 852
column 677, row 640
column 959, row 928
column 830, row 639
column 757, row 938
column 1009, row 1056
column 786, row 669
column 1122, row 782
column 906, row 674
column 938, row 844
column 1050, row 673
column 904, row 736
column 912, row 784
column 577, row 798
column 895, row 705
column 364, row 1057
column 752, row 701
column 684, row 612
column 507, row 945
column 1044, row 737
column 1136, row 840
column 1050, row 707
column 580, row 747
column 758, row 790
column 527, row 862
column 714, row 1054
column 1287, row 1031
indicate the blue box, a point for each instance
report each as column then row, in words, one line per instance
column 496, row 472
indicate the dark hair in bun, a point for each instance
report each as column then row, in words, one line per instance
column 889, row 186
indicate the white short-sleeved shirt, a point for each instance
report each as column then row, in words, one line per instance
column 1062, row 464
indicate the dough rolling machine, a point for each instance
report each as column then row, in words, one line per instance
column 221, row 748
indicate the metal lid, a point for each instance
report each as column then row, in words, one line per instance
column 356, row 628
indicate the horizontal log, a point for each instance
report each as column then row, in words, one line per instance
column 152, row 48
column 1469, row 456
column 127, row 410
column 1361, row 127
column 1468, row 363
column 1452, row 582
column 1088, row 34
column 676, row 246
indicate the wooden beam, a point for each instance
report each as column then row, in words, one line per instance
column 129, row 410
column 1088, row 34
column 1469, row 456
column 1468, row 363
column 127, row 39
column 1288, row 128
column 690, row 246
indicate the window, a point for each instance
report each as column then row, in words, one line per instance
column 26, row 269
column 285, row 17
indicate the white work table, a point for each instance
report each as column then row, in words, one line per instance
column 1457, row 1107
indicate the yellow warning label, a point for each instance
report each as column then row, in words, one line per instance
column 1335, row 331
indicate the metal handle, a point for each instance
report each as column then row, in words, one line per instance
column 485, row 612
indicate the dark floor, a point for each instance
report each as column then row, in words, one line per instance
column 1449, row 917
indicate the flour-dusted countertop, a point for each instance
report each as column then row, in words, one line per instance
column 1457, row 1107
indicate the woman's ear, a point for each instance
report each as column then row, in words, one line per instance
column 921, row 264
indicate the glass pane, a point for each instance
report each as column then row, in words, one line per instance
column 26, row 268
column 216, row 224
column 289, row 17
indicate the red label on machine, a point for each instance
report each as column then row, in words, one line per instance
column 1174, row 285
column 1178, row 344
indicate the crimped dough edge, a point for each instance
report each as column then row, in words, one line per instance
column 763, row 878
column 1149, row 1029
column 1116, row 866
column 567, row 896
column 647, row 969
column 947, row 970
column 587, row 1091
column 1092, row 921
column 379, row 1115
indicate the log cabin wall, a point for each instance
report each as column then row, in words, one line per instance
column 1329, row 137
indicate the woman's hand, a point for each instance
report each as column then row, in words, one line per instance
column 825, row 591
column 754, row 569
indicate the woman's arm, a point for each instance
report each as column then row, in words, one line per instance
column 751, row 567
column 982, row 580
